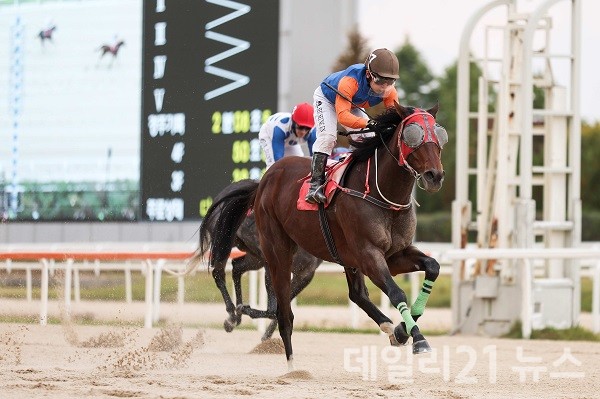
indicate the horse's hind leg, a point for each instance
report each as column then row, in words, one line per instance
column 270, row 313
column 218, row 274
column 304, row 266
column 269, row 330
column 239, row 266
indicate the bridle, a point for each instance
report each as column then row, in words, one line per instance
column 427, row 123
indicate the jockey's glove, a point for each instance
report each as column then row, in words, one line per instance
column 373, row 126
column 378, row 127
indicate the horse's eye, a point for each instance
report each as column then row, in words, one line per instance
column 413, row 135
column 442, row 135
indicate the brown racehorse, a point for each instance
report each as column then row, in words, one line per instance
column 372, row 221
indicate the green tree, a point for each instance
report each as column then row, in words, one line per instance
column 416, row 85
column 356, row 52
column 590, row 166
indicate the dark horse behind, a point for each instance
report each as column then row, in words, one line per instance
column 217, row 239
column 372, row 220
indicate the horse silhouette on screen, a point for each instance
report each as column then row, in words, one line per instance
column 111, row 50
column 46, row 34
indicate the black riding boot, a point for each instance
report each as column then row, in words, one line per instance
column 316, row 191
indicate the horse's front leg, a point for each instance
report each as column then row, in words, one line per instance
column 358, row 293
column 410, row 260
column 380, row 275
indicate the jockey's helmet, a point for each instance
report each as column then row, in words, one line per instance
column 384, row 63
column 302, row 115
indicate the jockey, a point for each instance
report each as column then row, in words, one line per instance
column 365, row 85
column 282, row 134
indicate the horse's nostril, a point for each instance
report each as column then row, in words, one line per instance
column 434, row 176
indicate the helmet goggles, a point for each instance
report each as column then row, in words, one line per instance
column 382, row 80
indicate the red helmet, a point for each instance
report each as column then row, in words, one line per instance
column 302, row 115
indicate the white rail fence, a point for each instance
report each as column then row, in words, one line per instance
column 527, row 256
column 153, row 264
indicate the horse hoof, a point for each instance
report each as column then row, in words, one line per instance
column 400, row 335
column 228, row 325
column 421, row 347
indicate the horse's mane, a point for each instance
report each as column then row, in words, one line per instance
column 365, row 148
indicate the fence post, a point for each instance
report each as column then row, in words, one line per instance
column 385, row 304
column 596, row 298
column 353, row 314
column 180, row 290
column 44, row 293
column 262, row 299
column 28, row 283
column 67, row 286
column 157, row 284
column 414, row 286
column 252, row 288
column 128, row 294
column 76, row 284
column 527, row 301
column 148, row 294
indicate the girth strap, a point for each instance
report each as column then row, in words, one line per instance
column 326, row 231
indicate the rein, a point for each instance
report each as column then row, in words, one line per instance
column 386, row 204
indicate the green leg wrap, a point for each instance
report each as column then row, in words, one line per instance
column 418, row 307
column 408, row 320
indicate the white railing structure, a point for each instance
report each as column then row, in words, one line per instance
column 498, row 167
column 527, row 256
column 153, row 263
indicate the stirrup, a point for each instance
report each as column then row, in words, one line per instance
column 310, row 198
column 313, row 197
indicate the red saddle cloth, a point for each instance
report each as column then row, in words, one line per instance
column 333, row 174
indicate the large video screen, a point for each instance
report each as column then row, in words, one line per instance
column 131, row 110
column 209, row 82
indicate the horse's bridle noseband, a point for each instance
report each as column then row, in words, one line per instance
column 405, row 150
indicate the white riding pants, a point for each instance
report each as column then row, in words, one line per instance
column 327, row 123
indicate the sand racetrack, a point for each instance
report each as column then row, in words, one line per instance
column 126, row 362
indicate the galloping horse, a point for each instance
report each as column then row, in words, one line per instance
column 372, row 231
column 46, row 34
column 219, row 242
column 114, row 49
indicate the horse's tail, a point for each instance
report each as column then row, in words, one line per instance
column 221, row 222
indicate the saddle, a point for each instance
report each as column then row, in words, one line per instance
column 334, row 175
